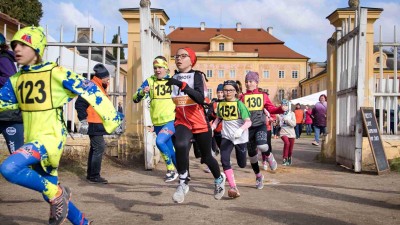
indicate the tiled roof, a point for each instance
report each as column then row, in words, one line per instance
column 11, row 19
column 248, row 40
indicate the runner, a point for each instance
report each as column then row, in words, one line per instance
column 40, row 89
column 188, row 94
column 235, row 123
column 287, row 121
column 162, row 112
column 257, row 102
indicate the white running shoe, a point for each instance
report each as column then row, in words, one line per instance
column 272, row 162
column 260, row 182
column 181, row 191
column 265, row 165
column 171, row 176
column 219, row 190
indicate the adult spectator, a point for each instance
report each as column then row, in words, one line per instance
column 308, row 121
column 10, row 121
column 91, row 124
column 299, row 113
column 319, row 118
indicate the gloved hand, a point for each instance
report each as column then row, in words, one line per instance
column 83, row 126
column 238, row 133
column 173, row 81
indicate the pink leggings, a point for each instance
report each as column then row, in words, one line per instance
column 288, row 144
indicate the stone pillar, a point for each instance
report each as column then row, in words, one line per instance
column 131, row 142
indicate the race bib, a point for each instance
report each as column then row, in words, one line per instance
column 228, row 110
column 160, row 90
column 254, row 102
column 33, row 91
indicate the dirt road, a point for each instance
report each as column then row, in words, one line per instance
column 308, row 192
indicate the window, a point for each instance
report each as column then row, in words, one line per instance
column 209, row 73
column 281, row 94
column 304, row 92
column 221, row 47
column 209, row 93
column 281, row 74
column 311, row 90
column 317, row 87
column 266, row 74
column 295, row 74
column 232, row 73
column 294, row 93
column 220, row 73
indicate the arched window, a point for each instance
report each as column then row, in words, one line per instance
column 221, row 47
column 281, row 94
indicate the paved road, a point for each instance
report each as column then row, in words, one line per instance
column 308, row 192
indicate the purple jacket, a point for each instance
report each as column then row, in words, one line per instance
column 319, row 114
column 7, row 66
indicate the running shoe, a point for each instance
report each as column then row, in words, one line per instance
column 260, row 182
column 233, row 193
column 97, row 180
column 315, row 143
column 219, row 190
column 272, row 162
column 59, row 207
column 181, row 191
column 265, row 165
column 170, row 176
column 285, row 162
column 289, row 161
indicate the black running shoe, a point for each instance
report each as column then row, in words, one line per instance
column 97, row 180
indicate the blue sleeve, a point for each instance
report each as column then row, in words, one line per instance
column 8, row 100
column 138, row 95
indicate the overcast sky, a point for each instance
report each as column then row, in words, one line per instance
column 301, row 24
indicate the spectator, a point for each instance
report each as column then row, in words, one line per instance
column 299, row 113
column 308, row 121
column 319, row 118
column 91, row 124
column 11, row 125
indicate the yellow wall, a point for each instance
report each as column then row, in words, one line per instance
column 273, row 83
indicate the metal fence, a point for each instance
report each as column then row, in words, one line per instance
column 69, row 57
column 386, row 86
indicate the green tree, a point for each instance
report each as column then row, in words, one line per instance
column 28, row 12
column 114, row 41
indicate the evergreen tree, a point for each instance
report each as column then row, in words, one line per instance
column 122, row 53
column 28, row 12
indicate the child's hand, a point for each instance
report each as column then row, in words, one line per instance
column 285, row 108
column 238, row 133
column 146, row 89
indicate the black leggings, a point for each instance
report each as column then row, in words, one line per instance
column 269, row 136
column 226, row 150
column 181, row 140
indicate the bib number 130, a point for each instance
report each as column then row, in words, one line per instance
column 31, row 92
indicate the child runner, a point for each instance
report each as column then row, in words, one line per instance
column 217, row 131
column 257, row 102
column 40, row 90
column 235, row 123
column 162, row 112
column 287, row 122
column 190, row 121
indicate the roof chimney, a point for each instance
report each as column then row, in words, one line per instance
column 269, row 30
column 202, row 26
column 171, row 29
column 238, row 26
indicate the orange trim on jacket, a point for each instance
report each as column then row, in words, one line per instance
column 93, row 117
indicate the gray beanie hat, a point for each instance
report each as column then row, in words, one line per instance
column 101, row 71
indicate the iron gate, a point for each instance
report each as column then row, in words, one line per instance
column 351, row 74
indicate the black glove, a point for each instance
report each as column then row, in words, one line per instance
column 172, row 81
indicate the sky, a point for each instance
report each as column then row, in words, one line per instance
column 301, row 24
